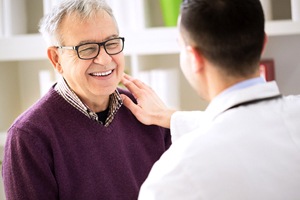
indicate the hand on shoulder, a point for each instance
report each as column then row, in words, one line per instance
column 150, row 109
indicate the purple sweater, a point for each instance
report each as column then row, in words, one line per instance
column 53, row 151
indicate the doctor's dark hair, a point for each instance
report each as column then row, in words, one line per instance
column 229, row 33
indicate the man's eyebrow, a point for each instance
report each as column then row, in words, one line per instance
column 95, row 41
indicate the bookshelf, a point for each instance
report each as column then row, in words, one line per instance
column 149, row 46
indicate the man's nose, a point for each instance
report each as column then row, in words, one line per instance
column 103, row 58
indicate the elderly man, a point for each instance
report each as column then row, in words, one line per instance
column 79, row 141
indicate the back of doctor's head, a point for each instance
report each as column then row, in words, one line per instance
column 229, row 33
column 82, row 9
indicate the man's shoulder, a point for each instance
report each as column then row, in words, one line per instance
column 123, row 91
column 37, row 111
column 127, row 93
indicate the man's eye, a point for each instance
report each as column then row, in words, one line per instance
column 87, row 49
column 111, row 45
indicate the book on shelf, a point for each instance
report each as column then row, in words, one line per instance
column 13, row 15
column 130, row 15
column 48, row 4
column 267, row 7
column 1, row 18
column 267, row 69
column 295, row 9
column 165, row 82
column 46, row 79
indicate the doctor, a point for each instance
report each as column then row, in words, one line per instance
column 246, row 144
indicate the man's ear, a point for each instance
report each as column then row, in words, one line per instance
column 197, row 59
column 53, row 56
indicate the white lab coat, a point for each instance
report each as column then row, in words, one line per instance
column 248, row 152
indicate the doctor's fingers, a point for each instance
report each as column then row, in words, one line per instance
column 136, row 87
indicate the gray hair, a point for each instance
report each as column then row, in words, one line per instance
column 49, row 25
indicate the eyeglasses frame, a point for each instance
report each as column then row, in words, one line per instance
column 98, row 43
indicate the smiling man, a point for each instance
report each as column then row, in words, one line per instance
column 79, row 141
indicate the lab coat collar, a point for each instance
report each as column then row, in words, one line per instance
column 256, row 92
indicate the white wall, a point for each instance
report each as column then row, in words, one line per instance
column 285, row 50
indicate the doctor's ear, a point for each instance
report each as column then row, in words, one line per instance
column 54, row 57
column 196, row 58
column 265, row 43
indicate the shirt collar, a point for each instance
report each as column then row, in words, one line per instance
column 242, row 85
column 115, row 102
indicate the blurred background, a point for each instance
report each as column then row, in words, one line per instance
column 150, row 47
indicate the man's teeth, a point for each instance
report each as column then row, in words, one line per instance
column 102, row 73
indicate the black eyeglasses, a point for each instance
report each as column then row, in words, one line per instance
column 91, row 50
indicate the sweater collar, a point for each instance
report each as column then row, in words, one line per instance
column 70, row 96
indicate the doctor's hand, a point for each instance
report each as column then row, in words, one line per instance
column 149, row 109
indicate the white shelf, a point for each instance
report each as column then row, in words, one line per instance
column 282, row 28
column 33, row 47
column 150, row 41
column 2, row 139
column 22, row 47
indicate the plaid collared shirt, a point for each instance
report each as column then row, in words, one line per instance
column 115, row 102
